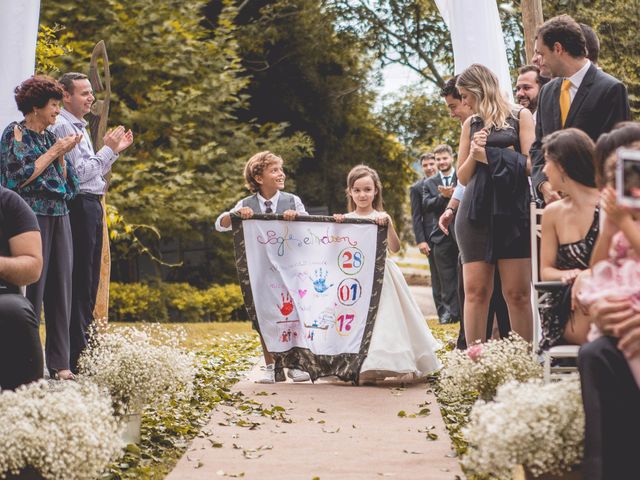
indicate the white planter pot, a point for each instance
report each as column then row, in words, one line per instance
column 130, row 425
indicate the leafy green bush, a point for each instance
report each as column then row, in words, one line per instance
column 178, row 302
column 225, row 303
column 132, row 302
column 184, row 302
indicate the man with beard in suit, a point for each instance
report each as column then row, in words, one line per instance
column 423, row 224
column 528, row 87
column 437, row 192
column 579, row 96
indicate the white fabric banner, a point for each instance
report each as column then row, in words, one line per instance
column 312, row 288
column 311, row 283
column 476, row 37
column 18, row 37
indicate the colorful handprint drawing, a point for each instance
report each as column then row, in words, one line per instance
column 287, row 304
column 319, row 280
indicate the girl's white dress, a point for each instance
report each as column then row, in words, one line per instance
column 401, row 342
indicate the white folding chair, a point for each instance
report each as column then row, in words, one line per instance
column 539, row 293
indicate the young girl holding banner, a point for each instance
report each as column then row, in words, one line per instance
column 401, row 344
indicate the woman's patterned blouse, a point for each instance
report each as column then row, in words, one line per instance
column 48, row 193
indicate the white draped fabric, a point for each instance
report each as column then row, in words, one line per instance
column 476, row 36
column 18, row 36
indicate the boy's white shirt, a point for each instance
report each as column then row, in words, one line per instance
column 274, row 204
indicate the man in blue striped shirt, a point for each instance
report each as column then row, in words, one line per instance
column 86, row 210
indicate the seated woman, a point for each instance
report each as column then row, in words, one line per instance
column 569, row 231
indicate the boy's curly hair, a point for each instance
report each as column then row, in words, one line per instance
column 256, row 166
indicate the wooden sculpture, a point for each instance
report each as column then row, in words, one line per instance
column 98, row 119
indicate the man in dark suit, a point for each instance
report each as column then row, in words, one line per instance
column 579, row 96
column 423, row 224
column 437, row 192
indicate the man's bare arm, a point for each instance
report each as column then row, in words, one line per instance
column 24, row 266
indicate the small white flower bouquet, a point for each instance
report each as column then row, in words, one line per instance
column 139, row 366
column 485, row 366
column 538, row 426
column 63, row 432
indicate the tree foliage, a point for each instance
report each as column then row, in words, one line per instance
column 412, row 33
column 309, row 73
column 178, row 83
column 49, row 48
column 421, row 121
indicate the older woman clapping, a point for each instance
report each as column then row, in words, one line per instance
column 32, row 164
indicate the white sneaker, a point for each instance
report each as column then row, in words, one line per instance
column 269, row 374
column 298, row 375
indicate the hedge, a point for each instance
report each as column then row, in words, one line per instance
column 177, row 302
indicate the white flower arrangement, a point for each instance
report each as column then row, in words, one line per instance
column 139, row 366
column 63, row 432
column 484, row 367
column 531, row 424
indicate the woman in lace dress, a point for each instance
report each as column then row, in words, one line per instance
column 569, row 230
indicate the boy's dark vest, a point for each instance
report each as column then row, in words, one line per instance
column 285, row 202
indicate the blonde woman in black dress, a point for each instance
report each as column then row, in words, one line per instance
column 498, row 124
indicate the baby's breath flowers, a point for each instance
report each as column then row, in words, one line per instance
column 531, row 424
column 64, row 432
column 139, row 366
column 484, row 367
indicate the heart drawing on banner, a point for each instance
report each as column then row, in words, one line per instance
column 302, row 293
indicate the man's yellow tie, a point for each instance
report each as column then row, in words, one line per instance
column 565, row 100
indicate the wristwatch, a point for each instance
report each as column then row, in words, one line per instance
column 453, row 210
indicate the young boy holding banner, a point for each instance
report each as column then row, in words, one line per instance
column 264, row 177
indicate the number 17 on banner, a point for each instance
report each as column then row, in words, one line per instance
column 344, row 323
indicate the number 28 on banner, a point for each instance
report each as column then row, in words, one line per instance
column 351, row 260
column 344, row 323
column 349, row 291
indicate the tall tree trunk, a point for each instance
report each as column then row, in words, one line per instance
column 531, row 19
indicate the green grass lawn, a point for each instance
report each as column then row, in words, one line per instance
column 201, row 334
column 205, row 332
column 198, row 334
